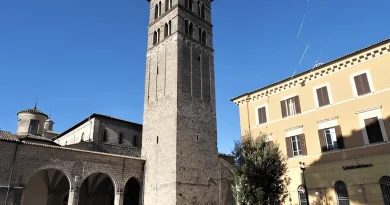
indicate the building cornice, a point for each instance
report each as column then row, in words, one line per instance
column 347, row 61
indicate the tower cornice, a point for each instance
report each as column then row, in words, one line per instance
column 182, row 37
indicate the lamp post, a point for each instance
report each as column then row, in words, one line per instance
column 302, row 165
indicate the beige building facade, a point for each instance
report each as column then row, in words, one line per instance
column 334, row 118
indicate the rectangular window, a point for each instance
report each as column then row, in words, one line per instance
column 290, row 106
column 373, row 129
column 361, row 84
column 33, row 127
column 323, row 96
column 262, row 115
column 331, row 139
column 296, row 146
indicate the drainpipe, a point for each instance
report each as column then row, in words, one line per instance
column 247, row 109
column 10, row 175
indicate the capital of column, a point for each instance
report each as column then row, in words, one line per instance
column 73, row 197
column 118, row 198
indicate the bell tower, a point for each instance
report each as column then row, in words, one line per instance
column 179, row 128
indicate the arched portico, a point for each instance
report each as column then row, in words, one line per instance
column 46, row 187
column 131, row 195
column 97, row 189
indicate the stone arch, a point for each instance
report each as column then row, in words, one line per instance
column 132, row 192
column 97, row 188
column 46, row 186
column 64, row 171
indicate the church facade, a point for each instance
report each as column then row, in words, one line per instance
column 171, row 159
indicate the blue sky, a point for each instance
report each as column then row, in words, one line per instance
column 88, row 56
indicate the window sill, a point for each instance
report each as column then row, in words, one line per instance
column 375, row 143
column 331, row 150
column 363, row 95
column 299, row 156
column 324, row 106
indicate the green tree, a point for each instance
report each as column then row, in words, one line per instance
column 259, row 173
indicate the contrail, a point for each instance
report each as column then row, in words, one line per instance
column 304, row 53
column 300, row 29
column 303, row 20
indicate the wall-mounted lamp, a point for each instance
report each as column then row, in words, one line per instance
column 318, row 192
column 361, row 188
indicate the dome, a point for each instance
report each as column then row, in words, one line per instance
column 34, row 111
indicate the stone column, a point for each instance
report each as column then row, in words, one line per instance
column 118, row 198
column 73, row 198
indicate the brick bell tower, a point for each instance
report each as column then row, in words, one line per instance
column 179, row 128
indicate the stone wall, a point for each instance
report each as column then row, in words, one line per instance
column 77, row 165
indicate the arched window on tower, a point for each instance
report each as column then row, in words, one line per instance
column 191, row 29
column 159, row 8
column 166, row 30
column 154, row 37
column 204, row 37
column 190, row 2
column 199, row 8
column 170, row 3
column 121, row 138
column 202, row 11
column 169, row 28
column 186, row 27
column 342, row 193
column 385, row 186
column 302, row 195
column 166, row 5
column 200, row 34
column 156, row 11
column 158, row 35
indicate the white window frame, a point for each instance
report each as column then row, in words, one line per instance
column 369, row 78
column 333, row 136
column 327, row 85
column 370, row 113
column 288, row 97
column 257, row 114
column 292, row 146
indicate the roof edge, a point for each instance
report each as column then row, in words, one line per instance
column 316, row 68
column 88, row 118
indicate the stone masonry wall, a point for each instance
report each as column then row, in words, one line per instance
column 77, row 165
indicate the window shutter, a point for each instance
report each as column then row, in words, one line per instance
column 297, row 104
column 263, row 115
column 303, row 144
column 325, row 96
column 260, row 113
column 321, row 135
column 365, row 85
column 319, row 97
column 283, row 106
column 358, row 84
column 289, row 147
column 340, row 139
